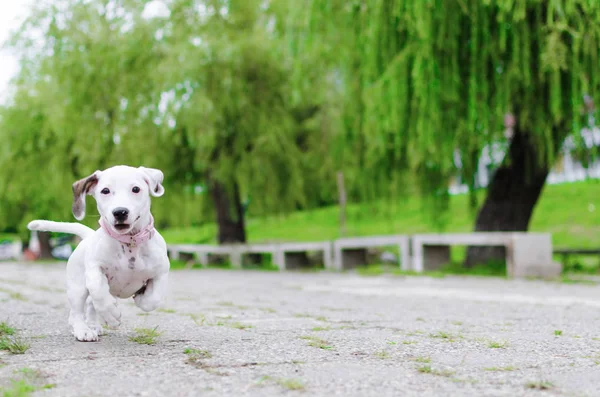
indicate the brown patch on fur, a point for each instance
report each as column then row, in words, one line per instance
column 80, row 189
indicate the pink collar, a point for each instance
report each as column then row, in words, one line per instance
column 132, row 240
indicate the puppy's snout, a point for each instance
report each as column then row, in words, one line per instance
column 120, row 214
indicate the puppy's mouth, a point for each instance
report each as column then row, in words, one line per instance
column 122, row 227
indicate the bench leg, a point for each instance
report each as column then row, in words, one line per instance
column 532, row 257
column 435, row 256
column 296, row 260
column 353, row 257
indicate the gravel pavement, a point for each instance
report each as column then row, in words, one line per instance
column 252, row 333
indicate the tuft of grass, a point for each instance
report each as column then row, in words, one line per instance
column 268, row 310
column 457, row 322
column 539, row 385
column 302, row 315
column 391, row 342
column 6, row 329
column 13, row 344
column 443, row 335
column 290, row 384
column 29, row 381
column 321, row 318
column 18, row 388
column 199, row 319
column 17, row 296
column 501, row 369
column 320, row 328
column 197, row 354
column 427, row 369
column 143, row 314
column 420, row 319
column 409, row 342
column 443, row 372
column 498, row 345
column 314, row 341
column 421, row 359
column 286, row 383
column 166, row 310
column 557, row 332
column 238, row 325
column 225, row 303
column 145, row 336
column 383, row 355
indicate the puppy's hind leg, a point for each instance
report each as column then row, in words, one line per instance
column 91, row 317
column 77, row 296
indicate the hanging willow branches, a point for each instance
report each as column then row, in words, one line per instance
column 425, row 78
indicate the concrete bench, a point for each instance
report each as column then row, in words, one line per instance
column 352, row 251
column 197, row 252
column 527, row 254
column 235, row 252
column 295, row 255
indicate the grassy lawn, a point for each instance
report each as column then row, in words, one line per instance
column 571, row 212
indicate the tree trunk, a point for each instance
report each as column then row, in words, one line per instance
column 45, row 249
column 230, row 213
column 512, row 195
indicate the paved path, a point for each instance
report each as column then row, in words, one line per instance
column 325, row 334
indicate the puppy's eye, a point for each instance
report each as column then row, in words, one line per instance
column 105, row 191
column 135, row 189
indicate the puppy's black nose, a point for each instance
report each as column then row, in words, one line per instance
column 120, row 214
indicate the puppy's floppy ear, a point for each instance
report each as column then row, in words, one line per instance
column 80, row 189
column 154, row 179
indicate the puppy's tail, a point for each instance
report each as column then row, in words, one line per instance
column 61, row 227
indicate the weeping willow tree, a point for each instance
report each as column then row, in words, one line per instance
column 425, row 80
column 231, row 116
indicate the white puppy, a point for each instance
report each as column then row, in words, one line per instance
column 125, row 257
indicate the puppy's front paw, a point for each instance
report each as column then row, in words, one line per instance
column 97, row 328
column 110, row 313
column 85, row 334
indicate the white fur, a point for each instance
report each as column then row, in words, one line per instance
column 102, row 269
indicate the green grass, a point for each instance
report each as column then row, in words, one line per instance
column 28, row 382
column 501, row 369
column 238, row 325
column 145, row 336
column 196, row 354
column 171, row 311
column 291, row 384
column 442, row 335
column 314, row 341
column 563, row 210
column 539, row 385
column 13, row 345
column 286, row 383
column 320, row 328
column 557, row 332
column 498, row 345
column 6, row 329
column 427, row 369
column 18, row 388
column 382, row 355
